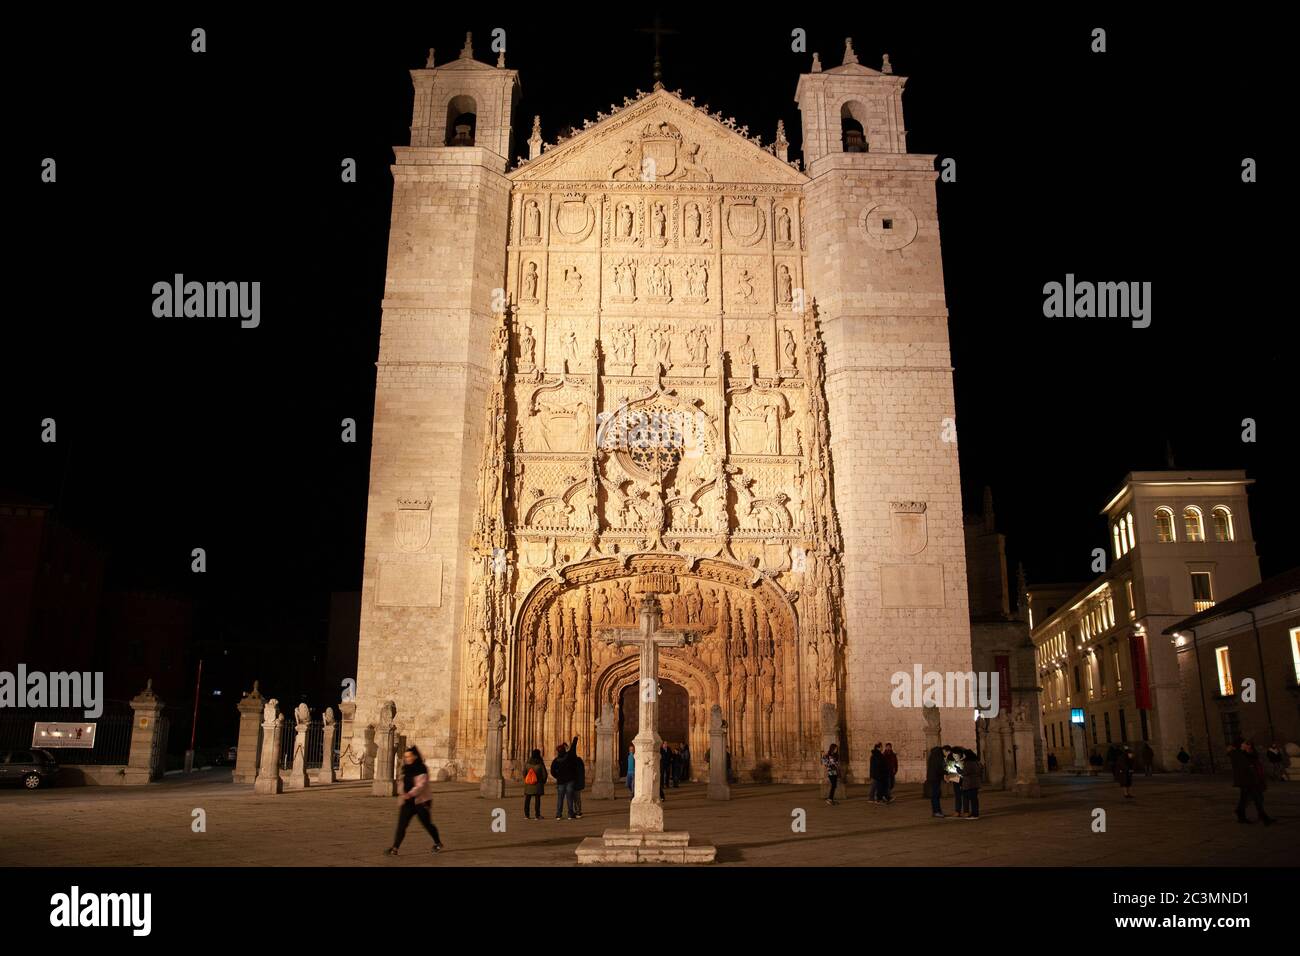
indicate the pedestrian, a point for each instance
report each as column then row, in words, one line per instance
column 1276, row 761
column 1148, row 758
column 1248, row 777
column 1184, row 758
column 665, row 768
column 1052, row 763
column 686, row 762
column 414, row 797
column 534, row 784
column 677, row 764
column 971, row 772
column 1124, row 771
column 831, row 761
column 563, row 769
column 631, row 769
column 953, row 776
column 936, row 762
column 879, row 772
column 1112, row 758
column 579, row 781
column 891, row 764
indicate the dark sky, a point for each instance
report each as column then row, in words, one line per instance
column 1122, row 166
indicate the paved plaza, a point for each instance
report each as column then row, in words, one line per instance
column 1174, row 820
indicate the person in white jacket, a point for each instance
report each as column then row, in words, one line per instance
column 414, row 797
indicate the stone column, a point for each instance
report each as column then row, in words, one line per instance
column 326, row 772
column 603, row 788
column 347, row 710
column 1292, row 771
column 144, row 762
column 298, row 771
column 268, row 773
column 384, row 783
column 493, row 785
column 719, row 789
column 1026, row 782
column 249, row 743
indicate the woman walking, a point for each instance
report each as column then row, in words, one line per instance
column 831, row 761
column 415, row 799
column 1124, row 765
column 631, row 768
column 534, row 784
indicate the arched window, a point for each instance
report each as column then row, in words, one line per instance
column 1222, row 524
column 1192, row 523
column 1164, row 525
column 853, row 127
column 1114, row 537
column 1132, row 532
column 462, row 119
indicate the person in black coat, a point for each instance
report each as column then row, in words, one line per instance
column 1248, row 777
column 564, row 770
column 879, row 771
column 936, row 763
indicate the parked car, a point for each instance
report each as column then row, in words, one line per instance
column 32, row 768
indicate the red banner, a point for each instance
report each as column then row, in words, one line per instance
column 1002, row 664
column 1141, row 680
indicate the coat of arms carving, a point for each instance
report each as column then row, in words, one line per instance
column 660, row 155
column 413, row 523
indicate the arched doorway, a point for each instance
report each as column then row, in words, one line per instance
column 674, row 717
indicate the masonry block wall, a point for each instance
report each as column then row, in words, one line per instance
column 876, row 274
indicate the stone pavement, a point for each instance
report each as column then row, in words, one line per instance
column 1175, row 820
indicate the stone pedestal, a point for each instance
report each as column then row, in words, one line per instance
column 357, row 762
column 493, row 784
column 604, row 786
column 1292, row 771
column 144, row 762
column 641, row 846
column 298, row 769
column 719, row 788
column 268, row 772
column 385, row 785
column 249, row 743
column 1026, row 781
column 326, row 772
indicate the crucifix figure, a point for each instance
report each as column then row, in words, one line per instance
column 647, row 812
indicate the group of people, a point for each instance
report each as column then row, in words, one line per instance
column 674, row 766
column 570, row 776
column 956, row 766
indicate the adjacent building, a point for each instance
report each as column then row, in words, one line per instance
column 1239, row 662
column 1178, row 542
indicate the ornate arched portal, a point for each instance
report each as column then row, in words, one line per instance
column 563, row 674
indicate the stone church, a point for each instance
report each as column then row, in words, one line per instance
column 659, row 355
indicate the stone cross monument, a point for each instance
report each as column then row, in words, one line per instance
column 645, row 839
column 647, row 812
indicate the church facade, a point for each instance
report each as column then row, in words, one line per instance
column 659, row 356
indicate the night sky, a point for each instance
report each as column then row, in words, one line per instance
column 175, row 434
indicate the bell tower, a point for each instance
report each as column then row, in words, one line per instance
column 875, row 274
column 446, row 270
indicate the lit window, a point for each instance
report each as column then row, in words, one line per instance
column 1192, row 524
column 1132, row 605
column 1119, row 681
column 1202, row 593
column 1092, row 692
column 1164, row 525
column 1295, row 651
column 1222, row 524
column 1132, row 532
column 1114, row 538
column 1225, row 671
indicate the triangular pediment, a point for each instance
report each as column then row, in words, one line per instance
column 681, row 143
